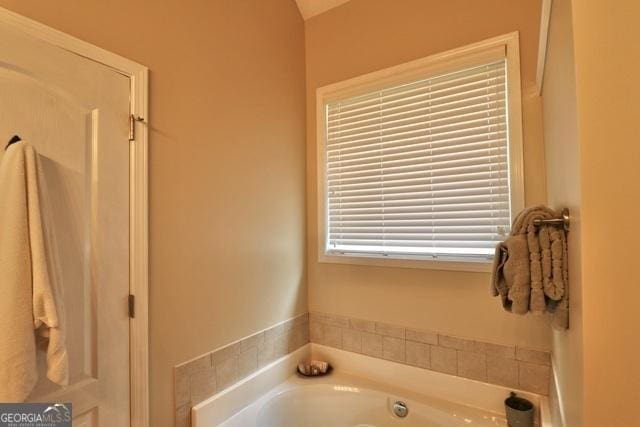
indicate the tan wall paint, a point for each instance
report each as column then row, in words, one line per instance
column 227, row 163
column 362, row 36
column 563, row 189
column 608, row 89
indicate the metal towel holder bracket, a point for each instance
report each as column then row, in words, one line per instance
column 564, row 221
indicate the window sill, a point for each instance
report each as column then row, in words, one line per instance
column 483, row 266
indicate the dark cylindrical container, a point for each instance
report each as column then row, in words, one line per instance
column 519, row 411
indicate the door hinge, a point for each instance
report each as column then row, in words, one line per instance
column 132, row 306
column 132, row 126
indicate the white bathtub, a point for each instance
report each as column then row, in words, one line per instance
column 341, row 402
column 360, row 392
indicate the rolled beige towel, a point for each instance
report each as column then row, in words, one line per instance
column 537, row 303
column 561, row 308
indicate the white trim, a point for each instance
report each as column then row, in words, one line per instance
column 545, row 19
column 516, row 150
column 139, row 285
column 139, row 251
column 508, row 46
column 558, row 395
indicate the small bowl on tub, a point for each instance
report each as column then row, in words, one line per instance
column 315, row 368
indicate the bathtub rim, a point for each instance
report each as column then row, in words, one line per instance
column 277, row 377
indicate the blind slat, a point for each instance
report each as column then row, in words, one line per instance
column 374, row 173
column 442, row 108
column 486, row 77
column 420, row 168
column 415, row 119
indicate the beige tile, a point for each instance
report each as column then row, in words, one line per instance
column 502, row 371
column 472, row 365
column 444, row 360
column 201, row 363
column 533, row 356
column 253, row 341
column 183, row 416
column 315, row 317
column 274, row 331
column 225, row 353
column 497, row 350
column 182, row 388
column 393, row 349
column 457, row 343
column 288, row 325
column 281, row 344
column 418, row 354
column 372, row 344
column 390, row 330
column 296, row 321
column 299, row 337
column 266, row 353
column 332, row 336
column 293, row 339
column 227, row 372
column 203, row 385
column 352, row 340
column 426, row 337
column 316, row 330
column 299, row 320
column 534, row 377
column 247, row 362
column 335, row 320
column 330, row 319
column 362, row 325
column 305, row 333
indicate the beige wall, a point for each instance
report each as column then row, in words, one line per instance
column 367, row 35
column 607, row 60
column 226, row 163
column 563, row 190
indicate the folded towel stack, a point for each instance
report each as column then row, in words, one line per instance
column 530, row 270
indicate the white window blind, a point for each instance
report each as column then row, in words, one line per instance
column 420, row 169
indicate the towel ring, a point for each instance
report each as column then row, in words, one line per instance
column 563, row 221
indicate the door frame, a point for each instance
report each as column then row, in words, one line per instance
column 139, row 206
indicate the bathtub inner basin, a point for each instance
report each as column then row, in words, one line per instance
column 335, row 405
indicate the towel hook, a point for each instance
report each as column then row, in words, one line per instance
column 13, row 140
column 564, row 220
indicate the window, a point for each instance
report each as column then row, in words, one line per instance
column 422, row 162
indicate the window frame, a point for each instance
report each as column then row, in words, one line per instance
column 506, row 46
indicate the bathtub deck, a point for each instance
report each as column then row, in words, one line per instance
column 239, row 405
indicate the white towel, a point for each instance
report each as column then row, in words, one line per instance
column 27, row 300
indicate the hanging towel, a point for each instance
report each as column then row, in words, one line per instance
column 530, row 267
column 29, row 310
column 558, row 302
column 511, row 279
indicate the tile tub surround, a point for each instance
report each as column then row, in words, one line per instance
column 510, row 366
column 210, row 373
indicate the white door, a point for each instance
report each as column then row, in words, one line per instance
column 74, row 111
